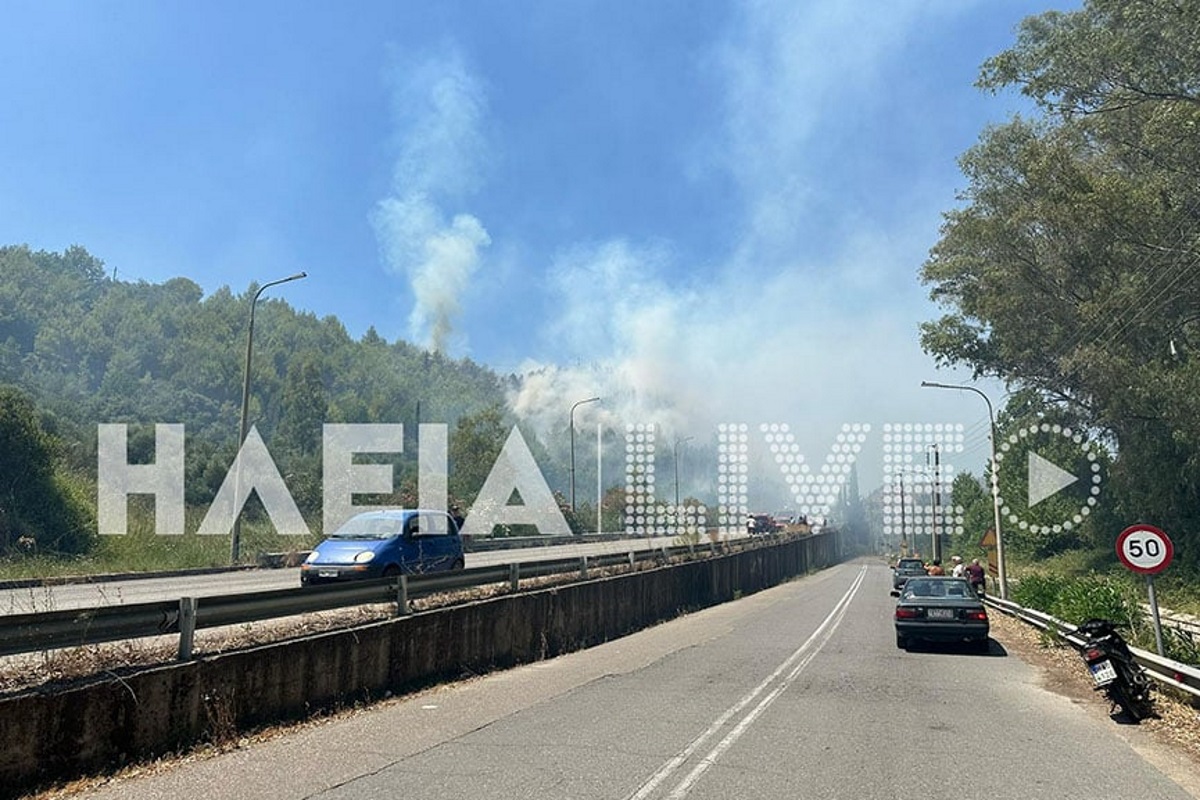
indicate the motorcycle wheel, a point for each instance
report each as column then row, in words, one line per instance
column 1120, row 695
column 1141, row 696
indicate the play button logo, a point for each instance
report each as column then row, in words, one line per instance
column 1020, row 463
column 1046, row 479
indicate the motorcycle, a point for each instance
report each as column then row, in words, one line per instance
column 1114, row 670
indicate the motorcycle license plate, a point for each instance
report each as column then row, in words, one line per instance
column 1103, row 672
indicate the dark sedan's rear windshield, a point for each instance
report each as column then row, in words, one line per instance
column 938, row 588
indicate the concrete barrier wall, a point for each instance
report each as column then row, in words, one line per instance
column 55, row 734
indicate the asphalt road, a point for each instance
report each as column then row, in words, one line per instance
column 143, row 590
column 795, row 692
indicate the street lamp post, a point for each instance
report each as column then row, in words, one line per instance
column 1001, row 575
column 572, row 415
column 676, row 458
column 921, row 479
column 235, row 542
column 935, row 539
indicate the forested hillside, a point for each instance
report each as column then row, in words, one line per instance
column 88, row 349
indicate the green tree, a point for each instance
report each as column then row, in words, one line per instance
column 305, row 408
column 969, row 494
column 612, row 509
column 475, row 444
column 38, row 509
column 87, row 349
column 1069, row 270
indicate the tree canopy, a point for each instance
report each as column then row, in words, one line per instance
column 85, row 348
column 1070, row 268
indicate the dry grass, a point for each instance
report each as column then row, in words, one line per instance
column 57, row 668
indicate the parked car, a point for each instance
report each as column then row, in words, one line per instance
column 376, row 544
column 941, row 609
column 906, row 568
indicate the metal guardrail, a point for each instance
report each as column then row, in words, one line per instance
column 33, row 632
column 1164, row 670
column 471, row 544
column 1183, row 624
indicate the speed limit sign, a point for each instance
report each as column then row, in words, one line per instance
column 1144, row 549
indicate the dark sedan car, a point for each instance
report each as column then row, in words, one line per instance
column 906, row 568
column 941, row 609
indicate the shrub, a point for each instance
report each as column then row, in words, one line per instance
column 1037, row 591
column 1095, row 596
column 1074, row 600
column 1177, row 644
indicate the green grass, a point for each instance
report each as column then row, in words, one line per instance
column 1081, row 584
column 141, row 550
column 1177, row 588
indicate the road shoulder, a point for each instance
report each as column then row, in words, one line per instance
column 1171, row 742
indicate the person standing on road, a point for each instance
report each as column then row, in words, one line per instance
column 935, row 568
column 975, row 575
column 960, row 569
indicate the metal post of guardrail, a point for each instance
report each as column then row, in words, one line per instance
column 514, row 576
column 583, row 567
column 632, row 560
column 402, row 596
column 187, row 627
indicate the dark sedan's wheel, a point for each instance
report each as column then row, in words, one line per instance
column 982, row 645
column 901, row 642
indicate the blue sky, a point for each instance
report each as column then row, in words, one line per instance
column 703, row 211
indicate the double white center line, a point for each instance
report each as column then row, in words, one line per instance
column 770, row 689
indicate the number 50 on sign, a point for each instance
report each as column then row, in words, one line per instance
column 1144, row 549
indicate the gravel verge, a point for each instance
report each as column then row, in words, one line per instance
column 1177, row 725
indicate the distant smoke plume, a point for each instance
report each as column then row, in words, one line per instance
column 439, row 107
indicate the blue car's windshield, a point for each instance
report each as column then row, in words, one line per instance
column 367, row 528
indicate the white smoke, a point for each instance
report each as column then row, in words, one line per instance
column 439, row 107
column 794, row 323
column 690, row 359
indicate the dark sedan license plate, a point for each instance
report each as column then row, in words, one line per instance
column 327, row 573
column 940, row 613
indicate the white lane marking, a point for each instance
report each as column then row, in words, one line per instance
column 673, row 764
column 710, row 759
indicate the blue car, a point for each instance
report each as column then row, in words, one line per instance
column 378, row 544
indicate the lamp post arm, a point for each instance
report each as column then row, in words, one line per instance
column 572, row 423
column 244, row 422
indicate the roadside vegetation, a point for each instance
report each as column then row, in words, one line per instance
column 1068, row 273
